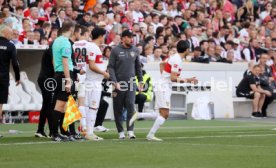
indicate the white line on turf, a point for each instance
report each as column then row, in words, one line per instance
column 183, row 127
column 166, row 138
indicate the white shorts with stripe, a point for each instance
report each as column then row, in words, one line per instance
column 163, row 93
column 93, row 92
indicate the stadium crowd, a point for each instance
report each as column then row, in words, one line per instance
column 216, row 31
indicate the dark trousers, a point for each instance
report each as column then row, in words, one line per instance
column 140, row 100
column 48, row 104
column 267, row 101
column 101, row 112
column 124, row 99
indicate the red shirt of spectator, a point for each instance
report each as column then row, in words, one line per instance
column 228, row 7
column 273, row 68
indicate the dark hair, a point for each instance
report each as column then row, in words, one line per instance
column 77, row 28
column 162, row 17
column 97, row 32
column 149, row 38
column 159, row 30
column 182, row 46
column 66, row 26
column 197, row 49
column 5, row 6
column 105, row 50
column 202, row 42
column 19, row 7
column 84, row 30
column 95, row 15
column 155, row 48
column 86, row 14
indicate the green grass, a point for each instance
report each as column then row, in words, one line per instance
column 187, row 144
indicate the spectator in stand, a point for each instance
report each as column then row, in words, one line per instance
column 115, row 9
column 53, row 18
column 44, row 41
column 37, row 37
column 116, row 40
column 12, row 5
column 237, row 50
column 60, row 18
column 228, row 46
column 146, row 53
column 106, row 52
column 48, row 8
column 53, row 34
column 156, row 56
column 229, row 57
column 85, row 19
column 26, row 27
column 33, row 17
column 155, row 21
column 15, row 39
column 248, row 53
column 30, row 37
column 69, row 12
column 137, row 14
column 159, row 41
column 165, row 51
column 211, row 54
column 40, row 6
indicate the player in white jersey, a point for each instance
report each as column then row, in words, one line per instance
column 82, row 49
column 95, row 72
column 171, row 73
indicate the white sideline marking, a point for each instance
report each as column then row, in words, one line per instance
column 197, row 137
column 183, row 127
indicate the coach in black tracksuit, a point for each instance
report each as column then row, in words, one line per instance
column 124, row 65
column 7, row 55
column 47, row 87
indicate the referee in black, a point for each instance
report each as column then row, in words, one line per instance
column 7, row 55
column 63, row 67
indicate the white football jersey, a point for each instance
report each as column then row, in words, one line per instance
column 82, row 49
column 95, row 54
column 173, row 64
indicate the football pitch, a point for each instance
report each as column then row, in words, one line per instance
column 239, row 143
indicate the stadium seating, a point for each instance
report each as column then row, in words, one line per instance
column 23, row 97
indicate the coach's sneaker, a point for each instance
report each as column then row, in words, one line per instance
column 93, row 137
column 131, row 135
column 122, row 136
column 101, row 128
column 153, row 138
column 1, row 136
column 41, row 135
column 133, row 118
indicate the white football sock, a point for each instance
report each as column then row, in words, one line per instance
column 83, row 118
column 158, row 122
column 90, row 120
column 151, row 115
